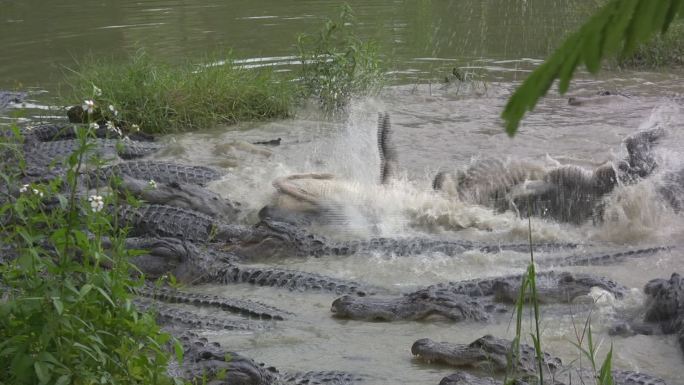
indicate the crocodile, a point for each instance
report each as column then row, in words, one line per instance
column 188, row 225
column 11, row 97
column 180, row 317
column 472, row 299
column 245, row 308
column 191, row 263
column 299, row 205
column 493, row 354
column 664, row 310
column 289, row 239
column 185, row 196
column 603, row 258
column 207, row 362
column 671, row 188
column 124, row 149
column 271, row 238
column 387, row 150
column 565, row 193
column 61, row 131
column 601, row 98
column 54, row 132
column 160, row 172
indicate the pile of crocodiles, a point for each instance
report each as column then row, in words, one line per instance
column 191, row 232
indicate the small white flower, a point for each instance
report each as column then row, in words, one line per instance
column 113, row 110
column 135, row 128
column 96, row 203
column 94, row 126
column 152, row 183
column 96, row 90
column 25, row 188
column 111, row 127
column 88, row 106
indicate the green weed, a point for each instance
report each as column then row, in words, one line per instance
column 661, row 51
column 162, row 98
column 528, row 294
column 66, row 315
column 336, row 64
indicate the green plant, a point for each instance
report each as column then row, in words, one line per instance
column 66, row 315
column 662, row 50
column 618, row 27
column 336, row 64
column 603, row 374
column 161, row 98
column 528, row 293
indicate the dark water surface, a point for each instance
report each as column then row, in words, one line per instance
column 40, row 38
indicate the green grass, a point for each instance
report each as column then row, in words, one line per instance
column 528, row 294
column 666, row 50
column 162, row 98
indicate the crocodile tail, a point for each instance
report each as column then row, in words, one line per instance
column 388, row 153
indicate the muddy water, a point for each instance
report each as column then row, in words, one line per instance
column 436, row 126
column 446, row 128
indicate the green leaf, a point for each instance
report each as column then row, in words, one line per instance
column 178, row 349
column 606, row 375
column 85, row 289
column 42, row 372
column 63, row 380
column 58, row 305
column 105, row 295
column 618, row 25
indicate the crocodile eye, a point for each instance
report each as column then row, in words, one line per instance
column 567, row 278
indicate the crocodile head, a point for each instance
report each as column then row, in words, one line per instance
column 424, row 303
column 230, row 369
column 265, row 240
column 484, row 352
column 207, row 362
column 368, row 309
column 274, row 238
column 553, row 287
column 666, row 299
column 488, row 352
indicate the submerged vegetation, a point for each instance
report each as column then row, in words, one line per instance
column 66, row 315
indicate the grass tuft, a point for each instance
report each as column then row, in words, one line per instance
column 337, row 64
column 163, row 98
column 665, row 50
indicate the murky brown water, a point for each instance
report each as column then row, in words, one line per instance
column 435, row 127
column 446, row 130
